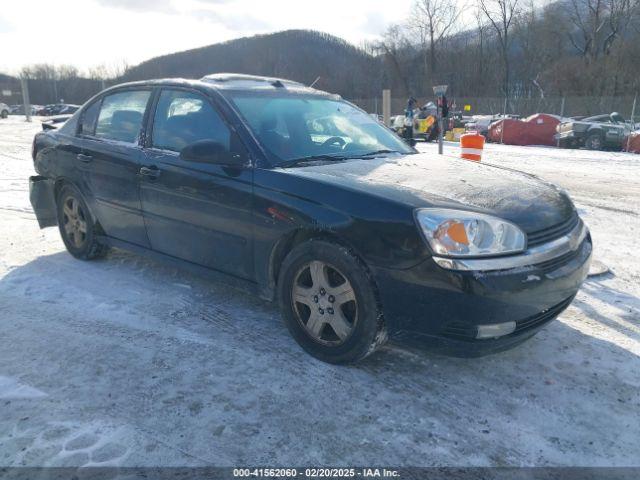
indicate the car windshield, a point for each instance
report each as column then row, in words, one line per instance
column 291, row 126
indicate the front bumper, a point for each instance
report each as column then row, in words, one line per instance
column 442, row 307
column 568, row 135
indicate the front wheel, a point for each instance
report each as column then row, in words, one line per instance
column 77, row 227
column 328, row 303
column 594, row 142
column 4, row 114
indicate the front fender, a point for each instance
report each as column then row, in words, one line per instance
column 286, row 207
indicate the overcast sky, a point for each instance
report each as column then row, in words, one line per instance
column 87, row 33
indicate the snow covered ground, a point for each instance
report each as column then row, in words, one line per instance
column 124, row 361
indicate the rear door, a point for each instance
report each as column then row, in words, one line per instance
column 196, row 211
column 111, row 158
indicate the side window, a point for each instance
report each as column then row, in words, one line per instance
column 89, row 117
column 121, row 115
column 183, row 118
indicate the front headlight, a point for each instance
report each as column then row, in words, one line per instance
column 456, row 233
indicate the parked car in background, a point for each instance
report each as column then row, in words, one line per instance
column 481, row 123
column 55, row 121
column 19, row 109
column 4, row 110
column 594, row 133
column 58, row 109
column 303, row 198
column 68, row 109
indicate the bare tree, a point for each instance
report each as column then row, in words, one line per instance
column 501, row 14
column 394, row 44
column 598, row 24
column 481, row 30
column 589, row 19
column 433, row 20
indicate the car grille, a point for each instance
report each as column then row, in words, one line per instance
column 460, row 331
column 548, row 234
column 551, row 265
column 543, row 317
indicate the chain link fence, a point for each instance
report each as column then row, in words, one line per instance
column 537, row 130
column 564, row 106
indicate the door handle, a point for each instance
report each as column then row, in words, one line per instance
column 152, row 172
column 84, row 158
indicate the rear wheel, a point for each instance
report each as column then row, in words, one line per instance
column 328, row 303
column 77, row 227
column 594, row 142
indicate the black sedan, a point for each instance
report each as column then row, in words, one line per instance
column 303, row 198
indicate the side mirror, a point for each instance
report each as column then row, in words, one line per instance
column 210, row 151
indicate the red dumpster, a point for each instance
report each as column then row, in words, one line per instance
column 632, row 142
column 538, row 129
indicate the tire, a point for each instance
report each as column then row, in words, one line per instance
column 4, row 114
column 348, row 324
column 77, row 228
column 594, row 142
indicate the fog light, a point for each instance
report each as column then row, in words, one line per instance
column 495, row 330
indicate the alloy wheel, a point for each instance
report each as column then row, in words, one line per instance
column 324, row 303
column 74, row 222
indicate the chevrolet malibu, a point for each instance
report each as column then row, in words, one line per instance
column 301, row 197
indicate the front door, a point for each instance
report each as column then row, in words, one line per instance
column 195, row 211
column 110, row 159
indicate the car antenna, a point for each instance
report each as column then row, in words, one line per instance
column 314, row 82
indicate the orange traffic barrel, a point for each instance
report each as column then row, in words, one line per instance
column 471, row 145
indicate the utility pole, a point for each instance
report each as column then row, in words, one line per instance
column 25, row 97
column 386, row 107
column 561, row 117
column 504, row 118
column 633, row 125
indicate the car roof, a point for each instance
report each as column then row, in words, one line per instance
column 596, row 118
column 236, row 80
column 232, row 82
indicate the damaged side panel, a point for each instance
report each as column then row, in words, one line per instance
column 41, row 194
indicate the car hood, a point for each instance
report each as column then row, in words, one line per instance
column 426, row 180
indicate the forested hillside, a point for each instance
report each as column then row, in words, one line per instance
column 294, row 54
column 579, row 48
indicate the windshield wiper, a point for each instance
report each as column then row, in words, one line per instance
column 298, row 161
column 375, row 152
